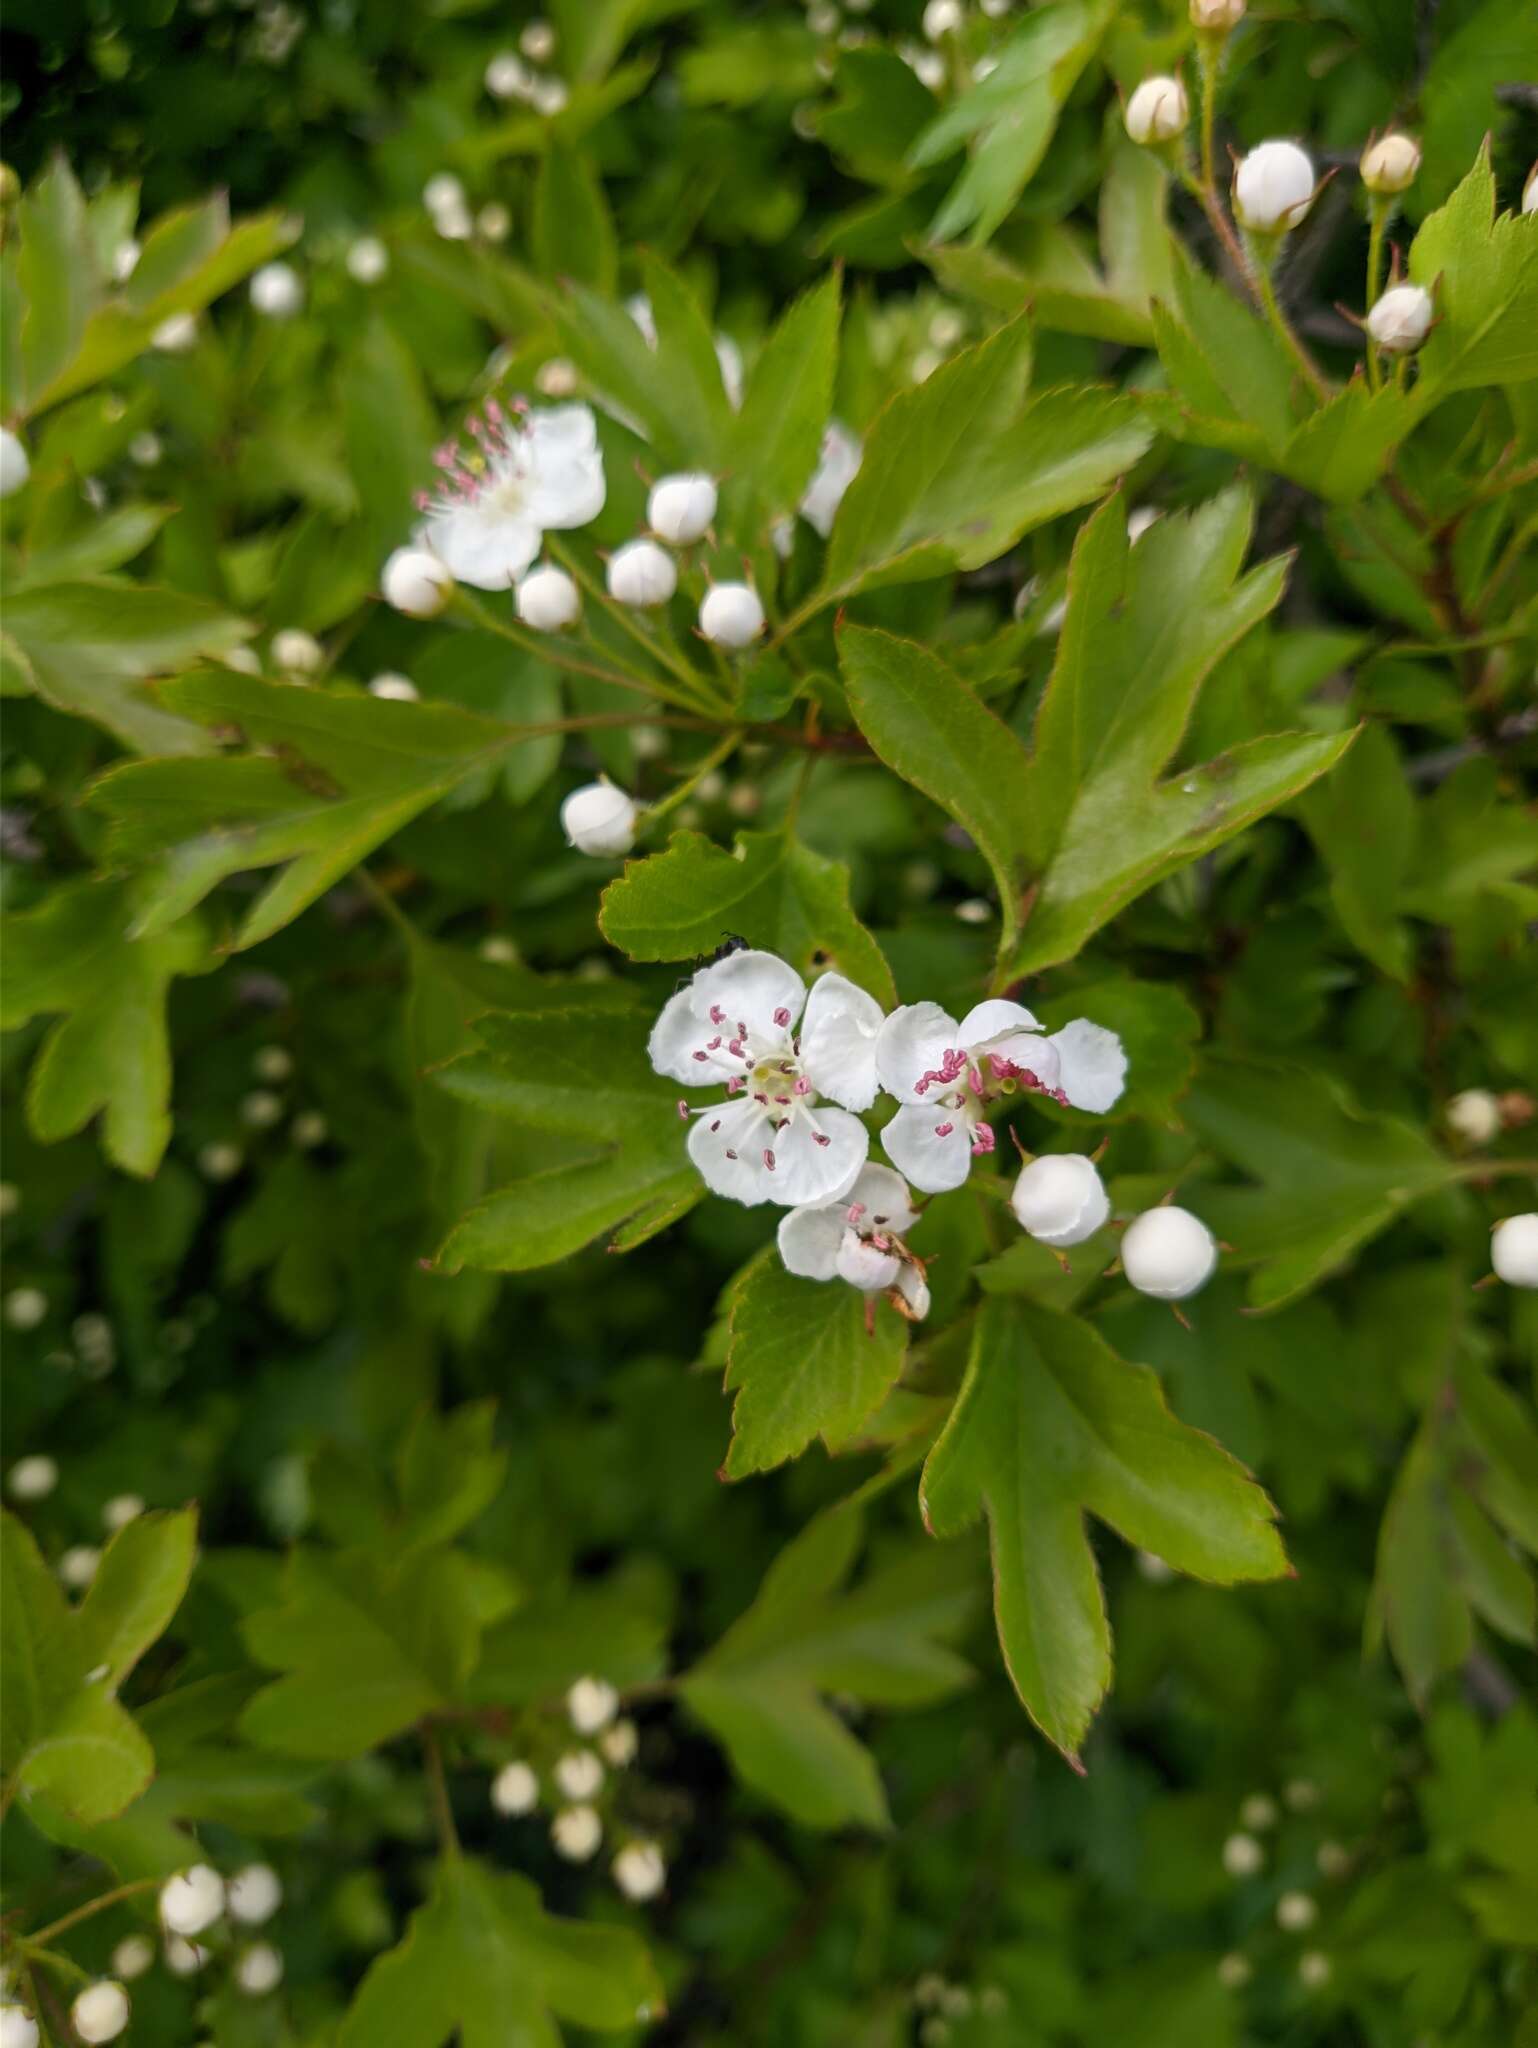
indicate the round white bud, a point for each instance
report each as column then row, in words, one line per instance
column 641, row 573
column 1217, row 17
column 576, row 1832
column 556, row 378
column 1390, row 164
column 176, row 335
column 18, row 2029
column 547, row 599
column 493, row 223
column 591, row 1704
column 309, row 1129
column 1475, row 1115
column 184, row 1958
column 515, row 1790
column 255, row 1893
column 259, row 1969
column 1168, row 1253
column 943, row 18
column 1234, row 1971
column 298, row 652
column 100, row 2012
column 78, row 1566
column 145, row 449
column 416, row 582
column 134, row 1954
column 277, row 291
column 192, row 1900
column 639, row 1870
column 499, row 949
column 220, row 1161
column 368, row 260
column 122, row 1509
column 1295, row 1912
column 1259, row 1811
column 32, row 1478
column 394, row 689
column 681, row 508
column 1333, row 1859
column 272, row 1063
column 15, row 465
column 1243, row 1856
column 244, row 660
column 1401, row 319
column 579, row 1774
column 731, row 615
column 619, row 1744
column 1301, row 1794
column 443, row 193
column 537, row 42
column 1514, row 1251
column 1314, row 1969
column 261, row 1109
column 1060, row 1198
column 599, row 819
column 1273, row 188
column 865, row 1265
column 507, row 76
column 125, row 260
column 550, row 96
column 25, row 1307
column 1158, row 111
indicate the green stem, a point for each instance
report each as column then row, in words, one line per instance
column 438, row 1791
column 548, row 647
column 92, row 1906
column 1207, row 199
column 696, row 776
column 1380, row 212
column 1309, row 369
column 1209, row 51
column 623, row 617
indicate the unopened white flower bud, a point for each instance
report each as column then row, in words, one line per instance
column 550, row 96
column 1475, row 1115
column 443, row 193
column 192, row 1900
column 79, row 1565
column 619, row 1744
column 591, row 1704
column 100, row 2012
column 537, row 42
column 25, row 1307
column 557, row 378
column 32, row 1478
column 259, row 1969
column 600, row 820
column 244, row 660
column 416, row 582
column 681, row 508
column 125, row 260
column 579, row 1774
column 1158, row 111
column 1401, row 319
column 1514, row 1251
column 641, row 573
column 220, row 1161
column 515, row 1790
column 394, row 689
column 15, row 465
column 493, row 223
column 547, row 599
column 1234, row 1971
column 576, row 1832
column 255, row 1893
column 176, row 335
column 1060, row 1198
column 298, row 652
column 277, row 291
column 122, row 1509
column 507, row 76
column 731, row 615
column 184, row 1958
column 865, row 1265
column 261, row 1109
column 942, row 18
column 1273, row 188
column 639, row 1870
column 1314, row 1969
column 1390, row 164
column 309, row 1129
column 18, row 2029
column 1217, row 17
column 1295, row 1912
column 368, row 260
column 1259, row 1811
column 1243, row 1856
column 145, row 449
column 1168, row 1253
column 134, row 1954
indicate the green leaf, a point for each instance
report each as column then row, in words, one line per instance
column 63, row 1737
column 1158, row 1029
column 776, row 893
column 483, row 1962
column 572, row 230
column 758, row 1690
column 448, row 1470
column 1362, row 819
column 550, row 1215
column 1329, row 1177
column 674, row 391
column 57, row 270
column 785, row 409
column 1050, row 1425
column 108, row 541
column 109, row 1051
column 390, row 433
column 537, row 1652
column 92, row 644
column 956, row 470
column 1230, row 371
column 1484, row 272
column 803, row 1364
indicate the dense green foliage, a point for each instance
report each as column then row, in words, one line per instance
column 1057, row 1668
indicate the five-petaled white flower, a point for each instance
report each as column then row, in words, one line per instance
column 773, row 1140
column 947, row 1076
column 528, row 474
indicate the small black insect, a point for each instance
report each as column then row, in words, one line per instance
column 732, row 942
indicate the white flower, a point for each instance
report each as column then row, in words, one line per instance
column 639, row 1870
column 728, row 355
column 731, row 615
column 680, row 508
column 25, row 1307
column 1243, row 1856
column 1390, row 164
column 255, row 1894
column 1158, row 110
column 1475, row 1115
column 547, row 599
column 530, row 473
column 1295, row 1912
column 174, row 336
column 368, row 260
column 1219, row 15
column 515, row 1790
column 100, row 2012
column 576, row 1832
column 259, row 1969
column 735, row 1023
column 32, row 1478
column 78, row 1566
column 192, row 1900
column 641, row 573
column 277, row 291
column 591, row 1704
column 134, row 1954
column 599, row 819
column 416, row 582
column 852, row 1238
column 122, row 1509
column 948, row 1075
column 15, row 467
column 185, row 1958
column 1258, row 1811
column 942, row 18
column 1168, row 1253
column 1060, row 1199
column 1273, row 188
column 1401, row 319
column 579, row 1774
column 837, row 465
column 619, row 1744
column 394, row 689
column 1514, row 1251
column 18, row 2029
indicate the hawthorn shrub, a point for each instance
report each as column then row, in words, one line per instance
column 769, row 948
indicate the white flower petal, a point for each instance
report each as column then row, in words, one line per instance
column 934, row 1163
column 864, row 1265
column 482, row 546
column 838, row 1041
column 1028, row 1049
column 809, row 1240
column 991, row 1019
column 756, row 989
column 676, row 1036
column 884, row 1197
column 1092, row 1064
column 727, row 1146
column 806, row 1171
column 913, row 1042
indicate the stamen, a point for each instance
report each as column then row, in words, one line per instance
column 853, row 1214
column 683, row 1111
column 716, row 1124
column 783, row 1100
column 730, row 1153
column 803, row 1086
column 769, row 1160
column 701, row 1057
column 717, row 1014
column 983, row 1141
column 944, row 1130
column 818, row 1138
column 782, row 1018
column 952, row 1063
